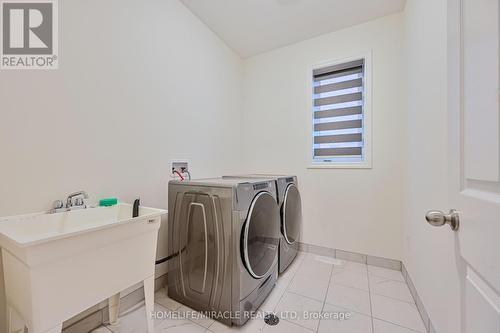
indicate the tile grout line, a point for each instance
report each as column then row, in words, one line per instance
column 326, row 295
column 364, row 314
column 288, row 286
column 286, row 290
column 398, row 325
column 355, row 272
column 370, row 297
column 304, row 296
column 384, row 277
column 299, row 325
column 388, row 321
column 393, row 298
column 289, row 283
column 347, row 309
column 346, row 286
column 371, row 306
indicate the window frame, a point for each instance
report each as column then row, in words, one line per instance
column 366, row 163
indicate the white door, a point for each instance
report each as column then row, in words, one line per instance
column 474, row 144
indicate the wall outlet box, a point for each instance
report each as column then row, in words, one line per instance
column 181, row 166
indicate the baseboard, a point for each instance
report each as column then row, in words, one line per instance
column 352, row 256
column 420, row 306
column 98, row 315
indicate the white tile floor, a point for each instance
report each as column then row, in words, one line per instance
column 377, row 300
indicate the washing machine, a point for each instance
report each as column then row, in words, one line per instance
column 288, row 198
column 223, row 242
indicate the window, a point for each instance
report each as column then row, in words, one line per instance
column 340, row 115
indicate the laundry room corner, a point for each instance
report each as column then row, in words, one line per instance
column 351, row 209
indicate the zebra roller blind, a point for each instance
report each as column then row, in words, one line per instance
column 338, row 112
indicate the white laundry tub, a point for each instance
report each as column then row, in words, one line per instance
column 57, row 265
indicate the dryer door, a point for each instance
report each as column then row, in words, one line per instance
column 260, row 238
column 292, row 214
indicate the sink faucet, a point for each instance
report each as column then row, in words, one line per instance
column 80, row 196
column 79, row 202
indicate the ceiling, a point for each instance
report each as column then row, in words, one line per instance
column 250, row 27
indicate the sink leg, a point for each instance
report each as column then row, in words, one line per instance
column 14, row 323
column 57, row 329
column 149, row 293
column 114, row 308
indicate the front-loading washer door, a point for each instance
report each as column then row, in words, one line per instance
column 260, row 238
column 291, row 214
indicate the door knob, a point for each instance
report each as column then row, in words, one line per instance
column 438, row 218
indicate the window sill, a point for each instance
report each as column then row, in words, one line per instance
column 361, row 165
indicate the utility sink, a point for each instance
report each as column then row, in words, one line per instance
column 57, row 265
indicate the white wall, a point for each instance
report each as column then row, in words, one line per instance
column 136, row 76
column 429, row 249
column 140, row 83
column 359, row 210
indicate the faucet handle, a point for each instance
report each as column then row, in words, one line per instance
column 69, row 200
column 58, row 204
column 79, row 202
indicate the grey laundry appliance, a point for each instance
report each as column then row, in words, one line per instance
column 289, row 201
column 223, row 240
